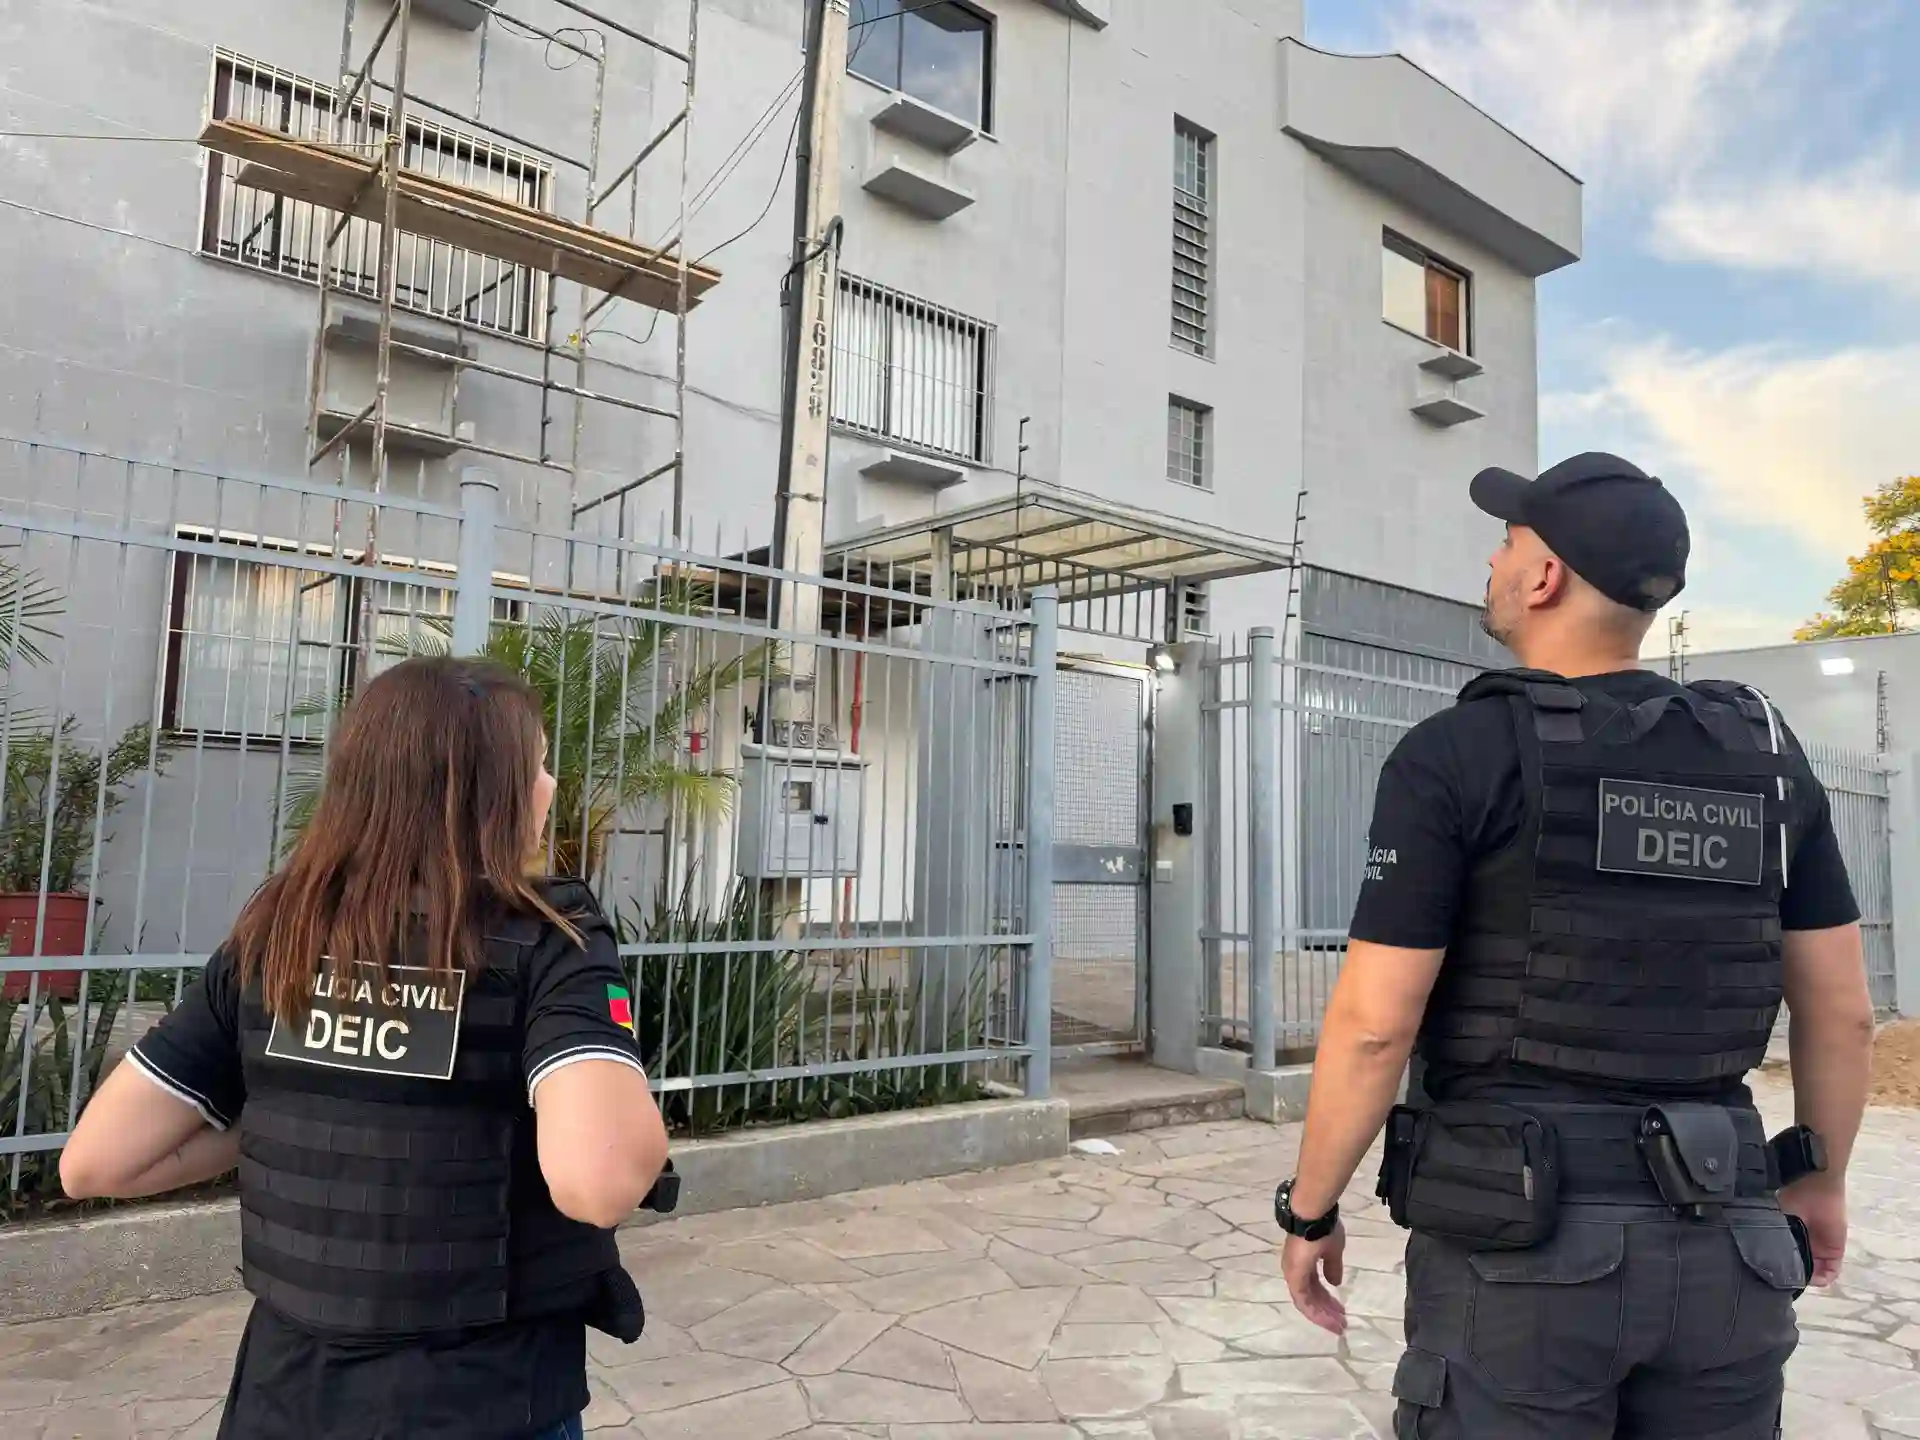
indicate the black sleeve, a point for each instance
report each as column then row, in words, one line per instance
column 194, row 1052
column 1417, row 848
column 579, row 1006
column 1819, row 894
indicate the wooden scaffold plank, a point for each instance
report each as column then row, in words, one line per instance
column 347, row 182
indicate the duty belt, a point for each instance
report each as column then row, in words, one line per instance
column 1689, row 1156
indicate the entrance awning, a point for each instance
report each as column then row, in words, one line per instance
column 1094, row 551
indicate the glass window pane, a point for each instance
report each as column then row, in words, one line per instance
column 943, row 60
column 873, row 42
column 1403, row 290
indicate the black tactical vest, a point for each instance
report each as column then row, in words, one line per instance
column 1631, row 933
column 388, row 1180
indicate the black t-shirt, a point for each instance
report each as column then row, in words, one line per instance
column 502, row 1382
column 1451, row 794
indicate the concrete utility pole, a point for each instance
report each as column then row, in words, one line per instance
column 809, row 297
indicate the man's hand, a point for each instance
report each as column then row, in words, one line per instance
column 1312, row 1265
column 1822, row 1207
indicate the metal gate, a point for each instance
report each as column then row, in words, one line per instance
column 1100, row 751
column 1858, row 795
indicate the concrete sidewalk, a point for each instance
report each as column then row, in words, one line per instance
column 1135, row 1295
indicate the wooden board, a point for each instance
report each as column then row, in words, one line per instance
column 347, row 182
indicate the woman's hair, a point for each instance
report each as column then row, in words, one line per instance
column 427, row 814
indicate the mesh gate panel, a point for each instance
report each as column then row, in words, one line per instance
column 1099, row 775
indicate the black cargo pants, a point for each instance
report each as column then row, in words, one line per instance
column 1628, row 1323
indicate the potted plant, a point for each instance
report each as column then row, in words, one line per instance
column 58, row 787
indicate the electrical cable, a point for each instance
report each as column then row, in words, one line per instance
column 527, row 32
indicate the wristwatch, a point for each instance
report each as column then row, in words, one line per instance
column 1284, row 1217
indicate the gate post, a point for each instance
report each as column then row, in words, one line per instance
column 1263, row 775
column 1903, row 840
column 1176, row 983
column 473, row 576
column 1045, row 657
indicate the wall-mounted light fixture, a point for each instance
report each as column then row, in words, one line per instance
column 1837, row 665
column 1161, row 658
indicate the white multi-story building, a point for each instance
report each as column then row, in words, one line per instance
column 1160, row 257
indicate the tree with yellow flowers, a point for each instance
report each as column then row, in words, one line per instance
column 1881, row 591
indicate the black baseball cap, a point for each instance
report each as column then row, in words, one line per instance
column 1616, row 526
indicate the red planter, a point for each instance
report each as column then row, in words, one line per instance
column 66, row 934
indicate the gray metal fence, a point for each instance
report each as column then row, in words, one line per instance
column 812, row 927
column 1334, row 724
column 1857, row 793
column 1337, row 714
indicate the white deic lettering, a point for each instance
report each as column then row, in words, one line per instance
column 319, row 1030
column 347, row 1034
column 389, row 1028
column 1682, row 848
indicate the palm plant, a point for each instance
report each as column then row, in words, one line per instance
column 26, row 604
column 44, row 1108
column 717, row 1009
column 616, row 695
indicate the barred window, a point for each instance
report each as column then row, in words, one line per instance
column 288, row 237
column 1189, row 442
column 913, row 372
column 255, row 647
column 1192, row 238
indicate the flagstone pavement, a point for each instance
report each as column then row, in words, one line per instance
column 1135, row 1296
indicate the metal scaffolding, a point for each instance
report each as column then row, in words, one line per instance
column 352, row 164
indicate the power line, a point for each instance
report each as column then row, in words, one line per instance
column 767, row 209
column 756, row 132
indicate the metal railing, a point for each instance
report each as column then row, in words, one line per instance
column 811, row 926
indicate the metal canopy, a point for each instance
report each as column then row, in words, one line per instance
column 1087, row 547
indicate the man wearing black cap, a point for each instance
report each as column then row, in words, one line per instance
column 1589, row 889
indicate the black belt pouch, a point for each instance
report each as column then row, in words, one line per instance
column 1484, row 1176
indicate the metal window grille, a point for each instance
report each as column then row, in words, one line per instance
column 912, row 372
column 1192, row 238
column 239, row 626
column 1189, row 440
column 288, row 237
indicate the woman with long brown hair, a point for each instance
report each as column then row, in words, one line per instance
column 422, row 1060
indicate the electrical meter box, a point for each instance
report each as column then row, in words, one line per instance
column 799, row 813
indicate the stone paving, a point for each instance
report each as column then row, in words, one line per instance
column 1135, row 1296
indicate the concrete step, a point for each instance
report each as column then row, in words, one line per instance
column 1115, row 1096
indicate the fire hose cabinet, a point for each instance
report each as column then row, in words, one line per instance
column 799, row 813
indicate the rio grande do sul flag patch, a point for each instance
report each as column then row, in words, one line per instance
column 620, row 1007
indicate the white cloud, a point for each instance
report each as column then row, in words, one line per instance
column 1621, row 91
column 1776, row 439
column 1862, row 224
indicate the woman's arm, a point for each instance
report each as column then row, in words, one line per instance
column 601, row 1140
column 134, row 1138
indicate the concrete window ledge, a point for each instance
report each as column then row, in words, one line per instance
column 915, row 469
column 173, row 1252
column 921, row 123
column 1095, row 13
column 1446, row 409
column 922, row 186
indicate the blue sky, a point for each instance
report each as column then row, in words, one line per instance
column 1746, row 321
